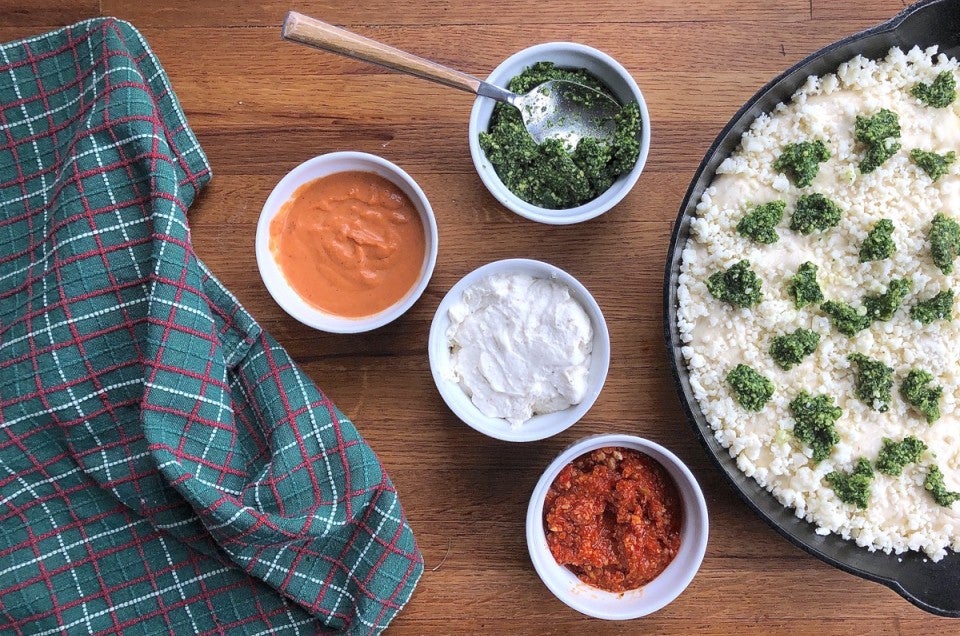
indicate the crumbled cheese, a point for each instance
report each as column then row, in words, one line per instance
column 901, row 515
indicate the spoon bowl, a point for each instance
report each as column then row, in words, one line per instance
column 556, row 109
column 568, row 111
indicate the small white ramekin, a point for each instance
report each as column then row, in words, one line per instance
column 569, row 55
column 539, row 426
column 662, row 590
column 323, row 166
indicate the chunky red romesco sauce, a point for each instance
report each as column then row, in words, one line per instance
column 613, row 516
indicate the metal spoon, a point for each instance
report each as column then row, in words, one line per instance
column 557, row 109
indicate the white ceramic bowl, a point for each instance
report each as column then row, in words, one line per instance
column 570, row 55
column 323, row 166
column 539, row 426
column 662, row 590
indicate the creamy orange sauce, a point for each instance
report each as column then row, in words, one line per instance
column 351, row 243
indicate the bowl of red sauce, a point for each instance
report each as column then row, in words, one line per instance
column 346, row 242
column 617, row 527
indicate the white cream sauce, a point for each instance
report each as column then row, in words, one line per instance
column 520, row 346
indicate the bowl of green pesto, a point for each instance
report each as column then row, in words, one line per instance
column 549, row 182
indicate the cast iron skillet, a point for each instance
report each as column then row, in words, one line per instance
column 934, row 587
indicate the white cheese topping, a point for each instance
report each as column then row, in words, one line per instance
column 901, row 515
column 520, row 346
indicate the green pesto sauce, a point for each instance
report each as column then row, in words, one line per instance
column 814, row 423
column 940, row 307
column 853, row 487
column 874, row 382
column 934, row 483
column 895, row 455
column 883, row 307
column 845, row 318
column 879, row 242
column 738, row 285
column 801, row 161
column 789, row 350
column 814, row 212
column 933, row 164
column 940, row 93
column 917, row 392
column 759, row 223
column 547, row 174
column 803, row 287
column 751, row 389
column 944, row 239
column 879, row 134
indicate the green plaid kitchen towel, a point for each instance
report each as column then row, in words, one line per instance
column 164, row 465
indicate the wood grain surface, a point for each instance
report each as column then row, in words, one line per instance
column 260, row 106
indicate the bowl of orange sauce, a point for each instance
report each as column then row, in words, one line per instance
column 617, row 526
column 346, row 242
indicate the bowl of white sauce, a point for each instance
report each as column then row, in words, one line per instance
column 519, row 350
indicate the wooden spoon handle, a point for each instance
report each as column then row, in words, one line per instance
column 313, row 32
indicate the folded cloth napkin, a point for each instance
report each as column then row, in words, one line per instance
column 164, row 464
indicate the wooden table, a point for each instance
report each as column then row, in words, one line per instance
column 260, row 106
